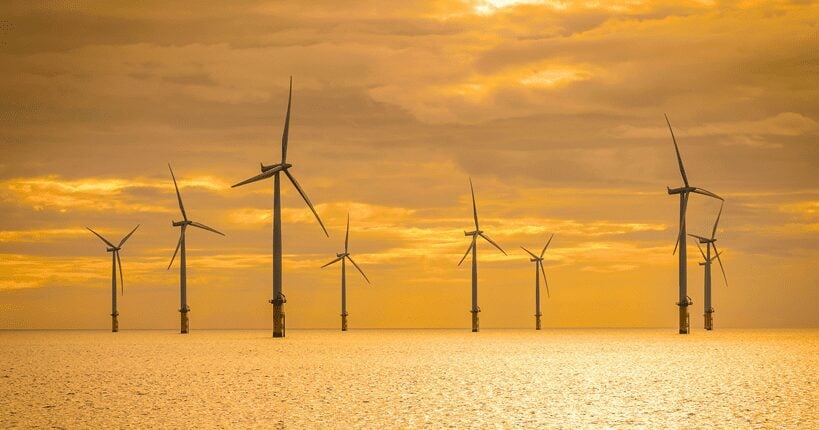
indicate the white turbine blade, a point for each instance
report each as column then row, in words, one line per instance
column 474, row 206
column 716, row 223
column 467, row 250
column 543, row 272
column 332, row 262
column 286, row 132
column 493, row 243
column 122, row 242
column 100, row 236
column 706, row 193
column 703, row 254
column 306, row 200
column 359, row 269
column 178, row 244
column 721, row 268
column 121, row 281
column 529, row 252
column 204, row 227
column 347, row 237
column 547, row 245
column 677, row 150
column 682, row 223
column 178, row 196
column 260, row 176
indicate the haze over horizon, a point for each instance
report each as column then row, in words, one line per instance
column 554, row 109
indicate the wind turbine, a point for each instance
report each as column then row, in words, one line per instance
column 684, row 191
column 539, row 264
column 473, row 248
column 115, row 261
column 343, row 257
column 183, row 225
column 274, row 170
column 710, row 242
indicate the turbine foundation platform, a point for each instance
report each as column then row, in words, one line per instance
column 709, row 319
column 537, row 322
column 476, row 323
column 114, row 323
column 684, row 325
column 343, row 322
column 184, row 323
column 278, row 318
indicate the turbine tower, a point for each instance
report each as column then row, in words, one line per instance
column 473, row 248
column 115, row 261
column 684, row 192
column 183, row 287
column 343, row 257
column 707, row 259
column 539, row 265
column 274, row 170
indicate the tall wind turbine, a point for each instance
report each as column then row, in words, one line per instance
column 707, row 259
column 539, row 265
column 274, row 170
column 683, row 191
column 183, row 225
column 115, row 261
column 343, row 257
column 473, row 248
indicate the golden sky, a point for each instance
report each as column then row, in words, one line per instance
column 554, row 108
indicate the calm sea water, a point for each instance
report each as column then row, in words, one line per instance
column 411, row 379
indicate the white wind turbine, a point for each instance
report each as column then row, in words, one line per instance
column 115, row 261
column 274, row 170
column 538, row 260
column 343, row 257
column 183, row 225
column 473, row 248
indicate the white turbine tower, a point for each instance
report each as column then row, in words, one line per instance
column 115, row 261
column 274, row 170
column 538, row 260
column 473, row 248
column 684, row 191
column 707, row 259
column 343, row 257
column 183, row 287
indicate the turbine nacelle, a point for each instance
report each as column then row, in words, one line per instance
column 680, row 190
column 343, row 254
column 284, row 166
column 109, row 249
column 180, row 223
column 473, row 233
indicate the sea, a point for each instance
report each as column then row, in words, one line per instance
column 395, row 379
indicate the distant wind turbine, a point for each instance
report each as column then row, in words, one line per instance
column 473, row 248
column 710, row 242
column 115, row 261
column 183, row 225
column 539, row 265
column 684, row 191
column 343, row 257
column 279, row 299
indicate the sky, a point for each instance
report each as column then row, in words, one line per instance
column 553, row 108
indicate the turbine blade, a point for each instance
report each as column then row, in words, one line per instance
column 178, row 196
column 682, row 223
column 716, row 223
column 529, row 252
column 547, row 245
column 706, row 193
column 334, row 261
column 260, row 176
column 677, row 149
column 204, row 227
column 359, row 269
column 721, row 268
column 103, row 239
column 474, row 207
column 703, row 254
column 121, row 281
column 286, row 132
column 306, row 200
column 467, row 250
column 347, row 237
column 122, row 242
column 178, row 244
column 493, row 243
column 543, row 272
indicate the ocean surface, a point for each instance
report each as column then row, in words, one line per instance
column 608, row 378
